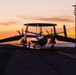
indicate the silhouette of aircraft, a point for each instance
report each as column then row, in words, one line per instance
column 41, row 38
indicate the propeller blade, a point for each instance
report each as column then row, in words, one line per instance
column 50, row 32
column 47, row 31
column 19, row 32
column 22, row 31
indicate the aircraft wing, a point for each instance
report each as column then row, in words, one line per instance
column 11, row 38
column 14, row 38
column 63, row 38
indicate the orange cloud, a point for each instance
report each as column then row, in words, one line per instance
column 9, row 23
column 41, row 18
column 57, row 19
column 22, row 17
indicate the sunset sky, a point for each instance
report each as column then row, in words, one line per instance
column 15, row 13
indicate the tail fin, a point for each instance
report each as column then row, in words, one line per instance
column 54, row 31
column 65, row 33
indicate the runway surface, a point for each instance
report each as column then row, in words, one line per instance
column 18, row 61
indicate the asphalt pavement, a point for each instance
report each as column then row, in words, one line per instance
column 17, row 61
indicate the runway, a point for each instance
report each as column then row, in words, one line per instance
column 18, row 61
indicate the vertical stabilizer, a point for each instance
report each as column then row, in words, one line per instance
column 54, row 31
column 65, row 33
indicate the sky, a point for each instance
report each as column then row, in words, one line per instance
column 15, row 13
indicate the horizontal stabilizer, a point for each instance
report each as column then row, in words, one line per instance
column 32, row 36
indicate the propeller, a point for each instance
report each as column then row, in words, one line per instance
column 21, row 33
column 52, row 39
column 58, row 37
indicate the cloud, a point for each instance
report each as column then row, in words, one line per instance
column 49, row 19
column 57, row 19
column 25, row 17
column 9, row 23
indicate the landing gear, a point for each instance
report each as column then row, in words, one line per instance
column 53, row 42
column 24, row 44
column 34, row 46
column 29, row 44
column 52, row 46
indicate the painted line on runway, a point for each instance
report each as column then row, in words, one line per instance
column 67, row 54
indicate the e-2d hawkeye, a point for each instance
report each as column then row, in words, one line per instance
column 41, row 39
